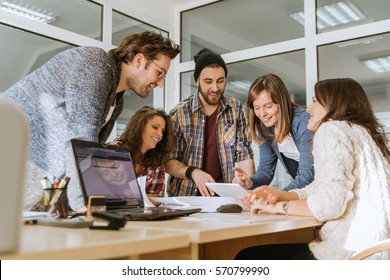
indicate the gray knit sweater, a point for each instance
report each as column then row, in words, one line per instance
column 68, row 97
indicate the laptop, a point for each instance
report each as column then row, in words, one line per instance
column 107, row 170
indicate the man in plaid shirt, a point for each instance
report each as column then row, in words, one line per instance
column 211, row 132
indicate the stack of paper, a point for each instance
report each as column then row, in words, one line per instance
column 233, row 218
column 207, row 203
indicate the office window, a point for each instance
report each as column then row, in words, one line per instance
column 79, row 16
column 260, row 23
column 337, row 14
column 22, row 52
column 290, row 67
column 366, row 60
column 274, row 40
column 122, row 24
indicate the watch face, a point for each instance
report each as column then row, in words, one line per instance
column 285, row 206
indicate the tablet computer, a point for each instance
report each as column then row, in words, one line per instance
column 229, row 190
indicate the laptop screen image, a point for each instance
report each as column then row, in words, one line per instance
column 107, row 171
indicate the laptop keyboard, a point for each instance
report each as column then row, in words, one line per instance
column 140, row 210
column 151, row 213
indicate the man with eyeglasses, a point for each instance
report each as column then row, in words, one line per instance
column 211, row 132
column 79, row 94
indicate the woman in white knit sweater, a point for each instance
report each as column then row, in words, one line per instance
column 351, row 188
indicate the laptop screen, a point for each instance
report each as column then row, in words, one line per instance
column 107, row 171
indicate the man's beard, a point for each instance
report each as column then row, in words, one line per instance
column 206, row 98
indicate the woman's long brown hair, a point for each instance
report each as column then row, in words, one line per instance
column 346, row 100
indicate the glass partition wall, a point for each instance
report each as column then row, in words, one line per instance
column 302, row 41
column 299, row 40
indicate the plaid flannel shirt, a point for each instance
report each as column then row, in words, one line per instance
column 155, row 179
column 234, row 140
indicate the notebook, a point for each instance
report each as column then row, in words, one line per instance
column 106, row 170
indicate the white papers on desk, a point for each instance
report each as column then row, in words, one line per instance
column 233, row 218
column 31, row 216
column 207, row 203
column 142, row 186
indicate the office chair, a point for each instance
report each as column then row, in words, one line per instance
column 14, row 141
column 377, row 248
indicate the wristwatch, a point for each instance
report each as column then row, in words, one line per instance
column 285, row 207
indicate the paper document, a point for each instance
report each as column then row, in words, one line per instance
column 233, row 218
column 207, row 203
column 142, row 186
column 30, row 216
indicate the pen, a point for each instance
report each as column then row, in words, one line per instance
column 61, row 184
column 46, row 191
column 55, row 183
column 48, row 183
column 44, row 183
column 65, row 182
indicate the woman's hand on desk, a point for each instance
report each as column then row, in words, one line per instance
column 265, row 193
column 245, row 199
column 264, row 198
column 260, row 205
column 150, row 197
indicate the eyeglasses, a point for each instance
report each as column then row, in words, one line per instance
column 162, row 72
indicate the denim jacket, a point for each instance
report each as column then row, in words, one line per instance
column 302, row 172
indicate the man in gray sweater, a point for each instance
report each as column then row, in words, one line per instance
column 79, row 94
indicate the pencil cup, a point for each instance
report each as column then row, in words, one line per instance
column 55, row 198
column 56, row 201
column 62, row 203
column 48, row 195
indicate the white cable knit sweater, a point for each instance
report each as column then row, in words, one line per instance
column 350, row 191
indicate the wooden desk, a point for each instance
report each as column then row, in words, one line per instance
column 215, row 239
column 194, row 237
column 45, row 242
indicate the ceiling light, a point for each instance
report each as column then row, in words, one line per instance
column 378, row 65
column 360, row 41
column 27, row 11
column 332, row 15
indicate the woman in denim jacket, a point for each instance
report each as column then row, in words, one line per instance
column 280, row 127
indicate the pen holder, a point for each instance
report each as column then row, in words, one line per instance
column 56, row 200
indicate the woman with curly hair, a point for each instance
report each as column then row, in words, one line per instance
column 148, row 136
